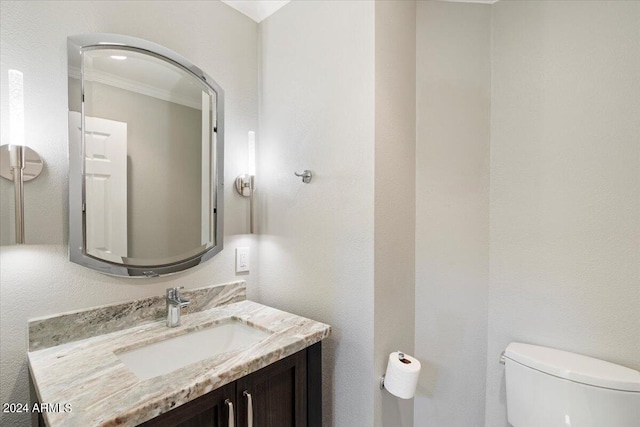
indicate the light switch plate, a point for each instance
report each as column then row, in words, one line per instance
column 242, row 259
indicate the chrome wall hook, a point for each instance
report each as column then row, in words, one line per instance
column 306, row 176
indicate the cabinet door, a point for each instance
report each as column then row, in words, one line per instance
column 276, row 393
column 209, row 410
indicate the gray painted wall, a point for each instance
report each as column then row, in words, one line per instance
column 316, row 240
column 452, row 211
column 564, row 199
column 317, row 250
column 565, row 183
column 395, row 167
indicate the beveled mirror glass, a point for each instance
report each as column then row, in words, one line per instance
column 145, row 158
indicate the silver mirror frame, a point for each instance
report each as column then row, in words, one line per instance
column 76, row 45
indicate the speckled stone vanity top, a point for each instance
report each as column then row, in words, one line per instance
column 102, row 391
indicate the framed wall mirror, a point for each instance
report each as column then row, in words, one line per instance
column 146, row 138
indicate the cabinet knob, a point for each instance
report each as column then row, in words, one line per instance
column 249, row 408
column 231, row 422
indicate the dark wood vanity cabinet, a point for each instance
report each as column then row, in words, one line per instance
column 209, row 410
column 286, row 393
column 276, row 394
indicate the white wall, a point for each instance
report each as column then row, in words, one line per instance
column 565, row 183
column 395, row 168
column 37, row 279
column 316, row 240
column 452, row 222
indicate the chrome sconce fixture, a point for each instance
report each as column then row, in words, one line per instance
column 18, row 163
column 245, row 183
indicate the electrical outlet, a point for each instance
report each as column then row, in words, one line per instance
column 242, row 260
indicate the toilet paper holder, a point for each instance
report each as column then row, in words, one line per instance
column 401, row 357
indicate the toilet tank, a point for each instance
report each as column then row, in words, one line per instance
column 554, row 388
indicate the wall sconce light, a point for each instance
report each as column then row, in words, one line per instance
column 245, row 183
column 17, row 162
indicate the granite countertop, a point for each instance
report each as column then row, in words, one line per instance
column 102, row 391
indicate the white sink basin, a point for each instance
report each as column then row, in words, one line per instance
column 166, row 356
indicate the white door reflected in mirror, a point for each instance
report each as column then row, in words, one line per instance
column 105, row 185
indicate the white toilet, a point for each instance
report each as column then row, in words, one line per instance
column 553, row 388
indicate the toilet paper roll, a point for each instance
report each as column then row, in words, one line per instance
column 401, row 378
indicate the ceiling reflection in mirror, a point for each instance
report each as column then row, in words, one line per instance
column 145, row 136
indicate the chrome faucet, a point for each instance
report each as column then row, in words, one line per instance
column 174, row 303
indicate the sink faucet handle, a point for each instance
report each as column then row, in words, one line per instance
column 174, row 292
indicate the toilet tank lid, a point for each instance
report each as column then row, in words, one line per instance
column 574, row 367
